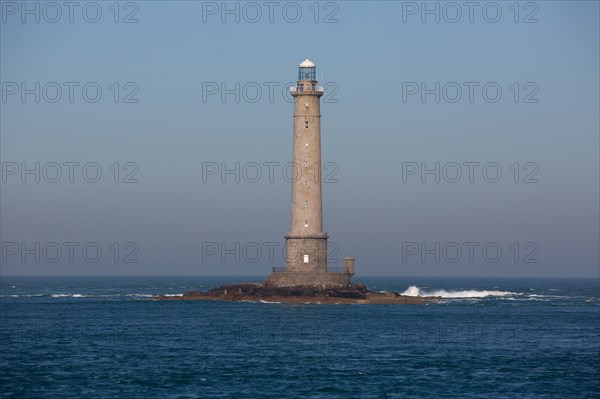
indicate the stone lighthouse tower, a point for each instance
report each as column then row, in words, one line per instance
column 306, row 243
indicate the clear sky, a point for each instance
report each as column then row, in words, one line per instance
column 180, row 101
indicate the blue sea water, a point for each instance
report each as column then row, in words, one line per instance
column 102, row 337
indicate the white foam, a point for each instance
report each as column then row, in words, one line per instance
column 534, row 296
column 173, row 294
column 67, row 295
column 413, row 290
column 262, row 301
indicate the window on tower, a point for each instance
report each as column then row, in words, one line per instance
column 306, row 125
column 305, row 258
column 309, row 73
column 306, row 223
column 306, row 204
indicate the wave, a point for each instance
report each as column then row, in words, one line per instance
column 106, row 295
column 413, row 290
column 87, row 295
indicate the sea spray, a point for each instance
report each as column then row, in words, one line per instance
column 413, row 290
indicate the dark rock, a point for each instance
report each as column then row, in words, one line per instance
column 253, row 292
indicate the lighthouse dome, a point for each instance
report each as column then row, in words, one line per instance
column 307, row 64
column 307, row 70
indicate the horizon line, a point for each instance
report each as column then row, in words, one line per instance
column 263, row 276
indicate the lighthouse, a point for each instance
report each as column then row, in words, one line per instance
column 306, row 242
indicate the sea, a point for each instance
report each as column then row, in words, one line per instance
column 104, row 337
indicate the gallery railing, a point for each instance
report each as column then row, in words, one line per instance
column 339, row 270
column 303, row 88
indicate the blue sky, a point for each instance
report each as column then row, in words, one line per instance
column 166, row 126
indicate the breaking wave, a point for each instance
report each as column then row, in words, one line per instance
column 413, row 290
column 87, row 295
